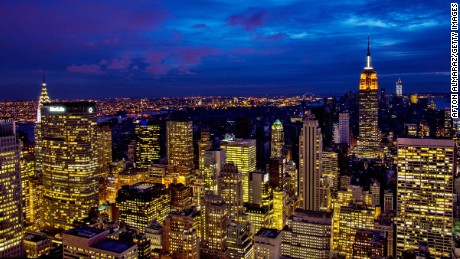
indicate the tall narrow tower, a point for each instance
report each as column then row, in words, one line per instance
column 399, row 87
column 44, row 99
column 277, row 142
column 368, row 139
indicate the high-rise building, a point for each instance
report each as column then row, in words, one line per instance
column 369, row 137
column 147, row 144
column 425, row 194
column 104, row 149
column 277, row 142
column 181, row 196
column 215, row 223
column 204, row 144
column 181, row 233
column 330, row 177
column 179, row 149
column 310, row 149
column 388, row 201
column 242, row 152
column 370, row 244
column 44, row 99
column 267, row 243
column 70, row 163
column 214, row 160
column 276, row 169
column 344, row 128
column 141, row 203
column 399, row 87
column 308, row 235
column 11, row 218
column 279, row 208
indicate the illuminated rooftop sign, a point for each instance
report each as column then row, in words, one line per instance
column 57, row 109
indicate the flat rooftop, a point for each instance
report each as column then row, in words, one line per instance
column 268, row 232
column 85, row 232
column 112, row 245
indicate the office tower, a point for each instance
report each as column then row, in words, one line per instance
column 399, row 87
column 260, row 191
column 132, row 151
column 215, row 223
column 242, row 152
column 181, row 196
column 104, row 149
column 11, row 222
column 385, row 222
column 231, row 190
column 369, row 137
column 351, row 218
column 140, row 239
column 276, row 169
column 27, row 165
column 375, row 194
column 70, row 166
column 292, row 174
column 180, row 233
column 147, row 144
column 310, row 149
column 410, row 130
column 277, row 142
column 179, row 145
column 425, row 194
column 204, row 144
column 267, row 243
column 44, row 99
column 154, row 233
column 448, row 123
column 279, row 208
column 258, row 216
column 141, row 203
column 308, row 235
column 87, row 242
column 370, row 244
column 243, row 128
column 330, row 176
column 214, row 160
column 344, row 128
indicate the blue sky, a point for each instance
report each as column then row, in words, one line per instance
column 97, row 49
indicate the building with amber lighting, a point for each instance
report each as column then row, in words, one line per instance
column 181, row 234
column 310, row 150
column 425, row 194
column 141, row 203
column 242, row 152
column 147, row 144
column 44, row 99
column 277, row 140
column 11, row 218
column 369, row 136
column 69, row 163
column 179, row 149
column 215, row 223
column 308, row 235
column 204, row 144
column 213, row 161
column 370, row 244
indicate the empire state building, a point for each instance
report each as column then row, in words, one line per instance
column 369, row 137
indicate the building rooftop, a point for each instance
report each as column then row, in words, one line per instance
column 268, row 232
column 112, row 245
column 85, row 232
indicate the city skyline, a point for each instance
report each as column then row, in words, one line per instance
column 92, row 50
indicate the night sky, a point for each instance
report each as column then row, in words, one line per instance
column 97, row 49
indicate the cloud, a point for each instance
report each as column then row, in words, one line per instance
column 85, row 69
column 200, row 26
column 249, row 21
column 271, row 37
column 119, row 63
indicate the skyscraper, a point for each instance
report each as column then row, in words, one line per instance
column 215, row 223
column 213, row 162
column 425, row 201
column 70, row 166
column 344, row 128
column 147, row 144
column 44, row 99
column 11, row 222
column 242, row 152
column 369, row 137
column 310, row 149
column 179, row 145
column 277, row 142
column 399, row 87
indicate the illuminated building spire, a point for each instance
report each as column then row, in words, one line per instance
column 44, row 98
column 368, row 58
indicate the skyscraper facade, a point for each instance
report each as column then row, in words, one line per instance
column 11, row 220
column 242, row 152
column 70, row 163
column 44, row 99
column 277, row 141
column 215, row 223
column 425, row 194
column 369, row 137
column 344, row 128
column 310, row 150
column 399, row 87
column 179, row 149
column 147, row 144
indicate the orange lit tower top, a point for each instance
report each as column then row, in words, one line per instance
column 369, row 137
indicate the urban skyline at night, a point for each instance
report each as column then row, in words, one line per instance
column 156, row 49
